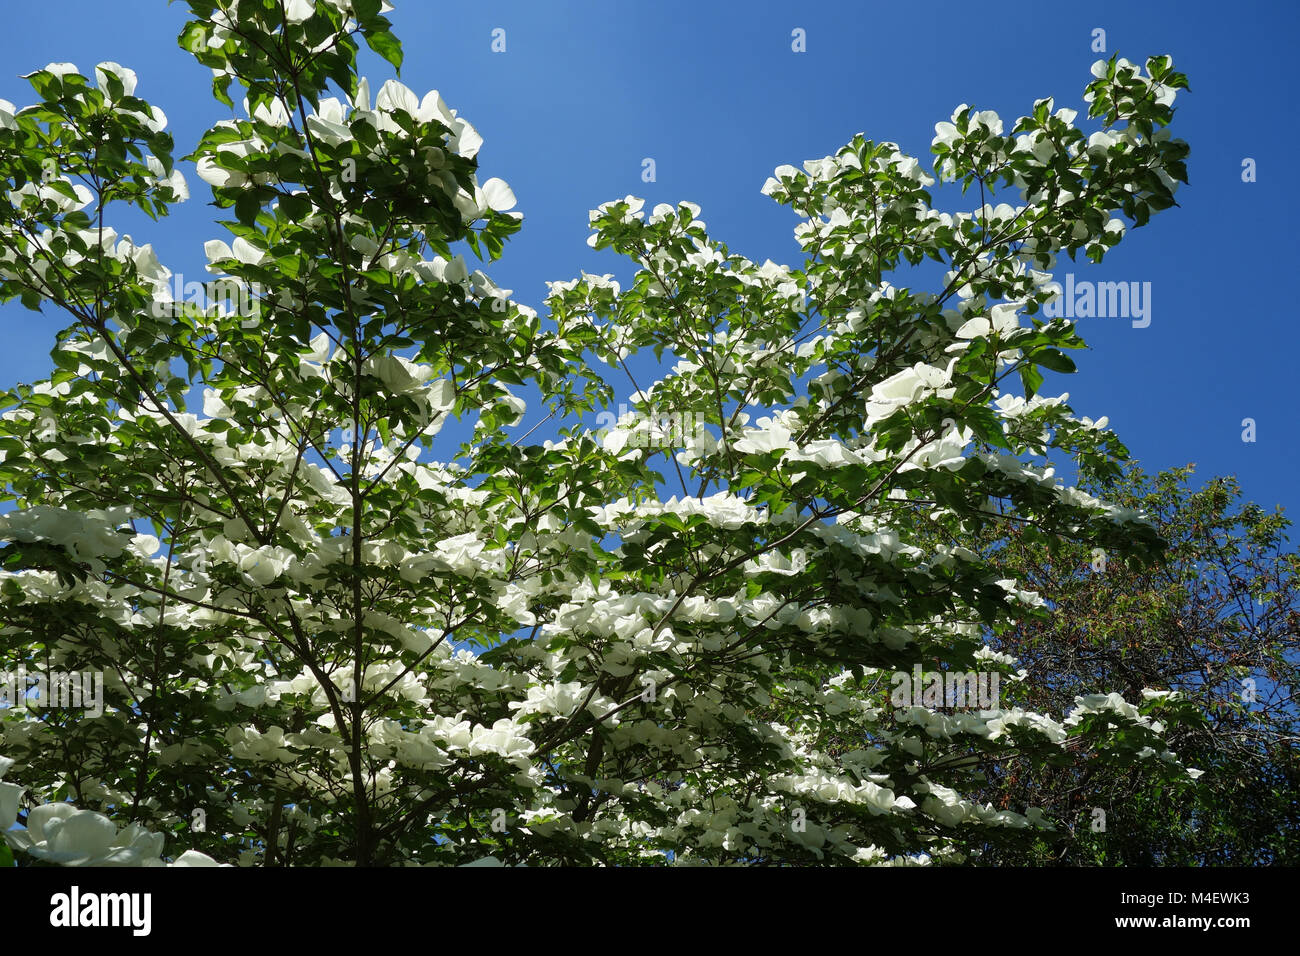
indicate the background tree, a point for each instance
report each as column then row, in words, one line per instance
column 1216, row 620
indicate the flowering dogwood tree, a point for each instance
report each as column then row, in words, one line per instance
column 330, row 635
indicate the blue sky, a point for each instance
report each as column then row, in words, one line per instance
column 713, row 92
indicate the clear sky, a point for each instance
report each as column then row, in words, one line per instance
column 713, row 92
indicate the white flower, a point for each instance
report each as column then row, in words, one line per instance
column 500, row 739
column 296, row 11
column 465, row 139
column 328, row 123
column 108, row 68
column 989, row 120
column 1098, row 703
column 1101, row 141
column 822, row 170
column 265, row 564
column 399, row 375
column 945, row 133
column 1150, row 694
column 498, row 195
column 86, row 535
column 772, row 184
column 218, row 176
column 559, row 699
column 175, row 181
column 58, row 69
column 459, row 553
column 905, row 387
column 249, row 744
column 1001, row 320
column 274, row 113
column 1040, row 146
column 10, row 795
column 394, row 95
column 516, row 405
column 192, row 858
column 433, row 108
column 456, row 271
column 769, row 436
column 634, row 207
column 60, row 833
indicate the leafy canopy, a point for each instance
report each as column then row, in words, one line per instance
column 330, row 633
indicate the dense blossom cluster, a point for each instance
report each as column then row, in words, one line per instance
column 333, row 636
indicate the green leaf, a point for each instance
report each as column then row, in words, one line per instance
column 1055, row 361
column 387, row 46
column 247, row 207
column 1031, row 379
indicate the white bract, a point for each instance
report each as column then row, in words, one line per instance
column 353, row 528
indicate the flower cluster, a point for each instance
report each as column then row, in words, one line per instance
column 348, row 612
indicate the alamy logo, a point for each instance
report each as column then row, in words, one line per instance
column 1084, row 299
column 75, row 909
column 652, row 429
column 230, row 296
column 949, row 689
column 61, row 690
